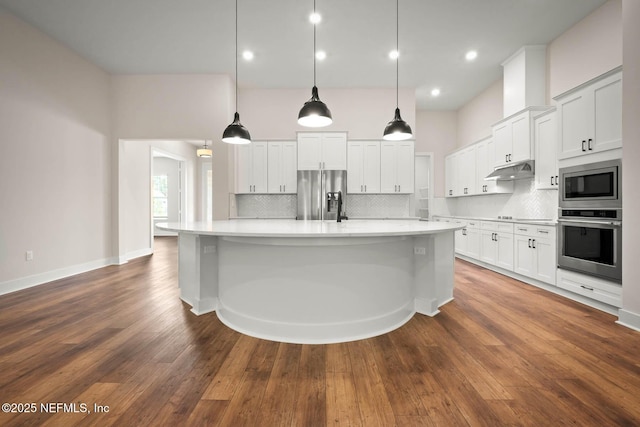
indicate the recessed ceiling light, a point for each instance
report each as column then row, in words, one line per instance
column 248, row 55
column 471, row 55
column 320, row 55
column 315, row 18
column 435, row 92
column 394, row 54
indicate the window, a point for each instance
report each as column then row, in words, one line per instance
column 160, row 196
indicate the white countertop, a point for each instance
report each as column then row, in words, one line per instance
column 531, row 221
column 294, row 228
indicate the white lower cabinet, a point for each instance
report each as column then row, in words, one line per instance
column 468, row 239
column 496, row 244
column 591, row 287
column 535, row 252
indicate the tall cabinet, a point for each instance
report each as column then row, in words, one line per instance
column 363, row 167
column 397, row 167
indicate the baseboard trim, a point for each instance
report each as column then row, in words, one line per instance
column 629, row 319
column 49, row 276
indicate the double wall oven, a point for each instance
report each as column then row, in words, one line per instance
column 590, row 219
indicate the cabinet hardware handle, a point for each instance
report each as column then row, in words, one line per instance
column 365, row 188
column 509, row 157
column 586, row 287
column 552, row 180
column 589, row 144
column 529, row 242
column 584, row 142
column 284, row 188
column 543, row 231
column 361, row 188
column 506, row 158
column 556, row 179
column 533, row 243
column 399, row 188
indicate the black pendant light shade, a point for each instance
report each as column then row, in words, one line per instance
column 397, row 129
column 314, row 113
column 235, row 133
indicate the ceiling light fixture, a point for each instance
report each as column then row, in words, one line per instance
column 204, row 152
column 397, row 129
column 314, row 113
column 394, row 54
column 247, row 55
column 435, row 92
column 235, row 133
column 315, row 18
column 321, row 55
column 471, row 55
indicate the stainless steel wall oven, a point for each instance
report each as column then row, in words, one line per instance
column 590, row 220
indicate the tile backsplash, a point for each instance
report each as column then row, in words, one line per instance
column 524, row 202
column 285, row 205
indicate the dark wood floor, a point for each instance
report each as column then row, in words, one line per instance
column 502, row 353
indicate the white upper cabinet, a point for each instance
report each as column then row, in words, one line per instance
column 322, row 150
column 590, row 116
column 546, row 136
column 397, row 164
column 513, row 138
column 282, row 170
column 363, row 167
column 251, row 168
column 450, row 166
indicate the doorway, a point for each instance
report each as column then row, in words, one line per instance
column 167, row 190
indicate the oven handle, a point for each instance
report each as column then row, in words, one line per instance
column 590, row 221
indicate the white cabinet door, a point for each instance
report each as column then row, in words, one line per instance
column 405, row 165
column 274, row 155
column 488, row 248
column 460, row 242
column 371, row 167
column 259, row 161
column 607, row 114
column 502, row 143
column 288, row 167
column 334, row 151
column 397, row 165
column 244, row 183
column 355, row 163
column 524, row 262
column 545, row 137
column 573, row 116
column 504, row 251
column 521, row 138
column 473, row 243
column 450, row 173
column 545, row 261
column 309, row 151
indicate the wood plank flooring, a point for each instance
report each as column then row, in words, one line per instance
column 502, row 353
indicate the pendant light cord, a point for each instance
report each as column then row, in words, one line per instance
column 314, row 45
column 398, row 52
column 236, row 55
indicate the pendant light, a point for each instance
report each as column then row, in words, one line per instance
column 235, row 133
column 204, row 152
column 397, row 129
column 314, row 113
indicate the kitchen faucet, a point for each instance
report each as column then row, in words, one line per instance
column 340, row 217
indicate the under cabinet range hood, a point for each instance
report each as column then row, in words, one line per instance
column 519, row 170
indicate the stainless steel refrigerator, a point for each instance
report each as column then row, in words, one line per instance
column 316, row 191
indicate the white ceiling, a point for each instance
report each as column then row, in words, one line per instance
column 197, row 36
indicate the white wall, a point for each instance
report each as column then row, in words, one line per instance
column 437, row 133
column 591, row 47
column 54, row 159
column 630, row 314
column 172, row 107
column 477, row 116
column 363, row 113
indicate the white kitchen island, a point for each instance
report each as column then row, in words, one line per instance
column 315, row 281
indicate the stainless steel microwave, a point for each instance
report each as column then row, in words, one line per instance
column 594, row 185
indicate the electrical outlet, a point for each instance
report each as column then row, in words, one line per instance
column 420, row 251
column 28, row 255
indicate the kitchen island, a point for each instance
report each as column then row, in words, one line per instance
column 315, row 281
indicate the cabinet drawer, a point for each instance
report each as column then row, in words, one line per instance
column 539, row 231
column 503, row 227
column 591, row 287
